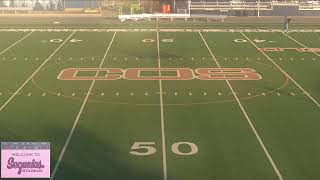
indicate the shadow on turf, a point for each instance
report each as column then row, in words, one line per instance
column 89, row 157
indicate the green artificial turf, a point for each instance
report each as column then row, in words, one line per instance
column 273, row 127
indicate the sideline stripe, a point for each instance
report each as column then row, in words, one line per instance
column 299, row 43
column 34, row 73
column 275, row 168
column 163, row 137
column 161, row 29
column 283, row 71
column 80, row 112
column 16, row 43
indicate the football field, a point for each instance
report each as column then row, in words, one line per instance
column 165, row 104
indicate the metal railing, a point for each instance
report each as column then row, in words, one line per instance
column 258, row 5
column 231, row 5
column 315, row 6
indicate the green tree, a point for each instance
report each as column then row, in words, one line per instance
column 2, row 4
column 38, row 6
column 60, row 5
column 12, row 3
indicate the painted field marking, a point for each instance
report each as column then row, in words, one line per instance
column 79, row 114
column 232, row 93
column 35, row 72
column 163, row 93
column 16, row 43
column 300, row 43
column 284, row 72
column 275, row 168
column 164, row 29
column 163, row 137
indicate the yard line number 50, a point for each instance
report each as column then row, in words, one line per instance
column 147, row 148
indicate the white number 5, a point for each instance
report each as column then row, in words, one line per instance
column 143, row 148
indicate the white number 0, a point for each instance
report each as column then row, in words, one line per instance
column 193, row 148
column 146, row 148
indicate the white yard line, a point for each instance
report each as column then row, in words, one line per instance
column 275, row 168
column 16, row 43
column 34, row 73
column 163, row 137
column 284, row 72
column 80, row 113
column 299, row 43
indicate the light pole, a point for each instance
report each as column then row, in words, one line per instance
column 189, row 7
column 258, row 8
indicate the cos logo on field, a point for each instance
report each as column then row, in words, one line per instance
column 159, row 74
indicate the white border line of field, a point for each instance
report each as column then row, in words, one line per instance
column 163, row 137
column 300, row 43
column 246, row 116
column 87, row 29
column 80, row 113
column 34, row 73
column 284, row 72
column 16, row 42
